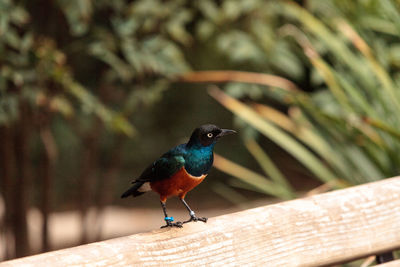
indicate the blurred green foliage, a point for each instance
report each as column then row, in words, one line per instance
column 102, row 60
column 58, row 58
column 89, row 66
column 350, row 118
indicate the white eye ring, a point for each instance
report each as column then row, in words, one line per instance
column 209, row 135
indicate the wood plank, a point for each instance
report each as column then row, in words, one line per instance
column 319, row 230
column 395, row 263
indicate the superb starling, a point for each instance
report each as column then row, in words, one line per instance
column 180, row 170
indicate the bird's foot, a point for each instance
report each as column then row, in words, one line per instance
column 170, row 223
column 193, row 218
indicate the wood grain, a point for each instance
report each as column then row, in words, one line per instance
column 395, row 263
column 319, row 230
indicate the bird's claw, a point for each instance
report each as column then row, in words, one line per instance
column 171, row 224
column 195, row 219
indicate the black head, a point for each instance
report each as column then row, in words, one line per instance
column 208, row 134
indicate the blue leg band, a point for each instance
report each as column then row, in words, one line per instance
column 169, row 219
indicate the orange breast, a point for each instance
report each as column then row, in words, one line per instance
column 177, row 185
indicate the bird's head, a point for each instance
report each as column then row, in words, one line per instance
column 207, row 135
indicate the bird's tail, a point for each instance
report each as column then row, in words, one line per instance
column 134, row 190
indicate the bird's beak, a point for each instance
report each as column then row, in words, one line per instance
column 225, row 132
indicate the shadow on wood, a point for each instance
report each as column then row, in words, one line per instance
column 320, row 230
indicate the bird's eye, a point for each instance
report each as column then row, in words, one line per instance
column 209, row 135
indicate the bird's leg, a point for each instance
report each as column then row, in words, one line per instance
column 169, row 220
column 193, row 217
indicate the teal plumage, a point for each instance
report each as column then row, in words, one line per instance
column 179, row 168
column 198, row 160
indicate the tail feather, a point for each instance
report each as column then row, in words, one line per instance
column 133, row 190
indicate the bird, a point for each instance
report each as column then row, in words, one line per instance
column 180, row 170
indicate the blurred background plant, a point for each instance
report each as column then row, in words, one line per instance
column 85, row 86
column 345, row 131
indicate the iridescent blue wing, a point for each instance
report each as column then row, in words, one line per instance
column 164, row 167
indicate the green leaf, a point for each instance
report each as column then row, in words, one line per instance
column 268, row 166
column 301, row 153
column 249, row 177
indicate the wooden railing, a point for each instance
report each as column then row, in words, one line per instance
column 324, row 229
